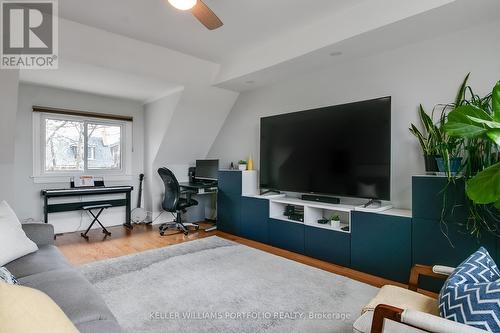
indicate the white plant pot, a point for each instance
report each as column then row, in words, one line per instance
column 242, row 167
column 335, row 224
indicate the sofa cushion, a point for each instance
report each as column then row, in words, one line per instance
column 47, row 258
column 72, row 292
column 28, row 310
column 7, row 277
column 13, row 241
column 403, row 299
column 478, row 268
column 99, row 326
column 470, row 295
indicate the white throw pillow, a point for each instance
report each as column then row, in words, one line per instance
column 13, row 241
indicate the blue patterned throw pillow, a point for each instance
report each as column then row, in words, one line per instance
column 471, row 295
column 7, row 276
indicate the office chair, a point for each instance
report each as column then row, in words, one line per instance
column 174, row 203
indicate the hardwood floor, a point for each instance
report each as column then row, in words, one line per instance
column 121, row 242
column 145, row 237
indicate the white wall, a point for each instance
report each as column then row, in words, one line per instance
column 9, row 82
column 158, row 115
column 27, row 202
column 428, row 72
column 181, row 128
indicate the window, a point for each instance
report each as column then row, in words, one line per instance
column 71, row 145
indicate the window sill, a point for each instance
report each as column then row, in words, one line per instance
column 66, row 179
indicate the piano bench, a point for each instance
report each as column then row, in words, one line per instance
column 99, row 209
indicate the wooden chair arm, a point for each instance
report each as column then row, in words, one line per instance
column 425, row 270
column 382, row 312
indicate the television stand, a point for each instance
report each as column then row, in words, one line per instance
column 270, row 191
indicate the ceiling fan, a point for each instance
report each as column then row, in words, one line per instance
column 200, row 10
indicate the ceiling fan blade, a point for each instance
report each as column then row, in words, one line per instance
column 206, row 16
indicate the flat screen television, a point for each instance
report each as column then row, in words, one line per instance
column 342, row 150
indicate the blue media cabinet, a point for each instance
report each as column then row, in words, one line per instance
column 381, row 245
column 250, row 217
column 437, row 243
column 384, row 244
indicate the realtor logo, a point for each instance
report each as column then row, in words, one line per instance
column 29, row 34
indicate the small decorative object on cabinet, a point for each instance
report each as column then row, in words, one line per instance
column 242, row 165
column 250, row 163
column 335, row 221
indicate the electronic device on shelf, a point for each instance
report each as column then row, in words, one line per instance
column 321, row 198
column 207, row 170
column 342, row 150
column 295, row 213
column 323, row 221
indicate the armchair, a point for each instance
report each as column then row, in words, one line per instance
column 398, row 310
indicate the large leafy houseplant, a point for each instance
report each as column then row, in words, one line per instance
column 475, row 121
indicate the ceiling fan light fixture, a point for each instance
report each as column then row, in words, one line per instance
column 183, row 4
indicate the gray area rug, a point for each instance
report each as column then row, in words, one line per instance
column 214, row 285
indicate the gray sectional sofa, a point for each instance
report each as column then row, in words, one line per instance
column 47, row 270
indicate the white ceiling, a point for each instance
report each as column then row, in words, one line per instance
column 139, row 48
column 246, row 22
column 99, row 80
column 453, row 17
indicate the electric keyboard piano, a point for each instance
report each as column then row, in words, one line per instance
column 87, row 191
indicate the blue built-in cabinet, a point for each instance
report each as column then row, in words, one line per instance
column 381, row 245
column 229, row 202
column 255, row 219
column 437, row 242
column 328, row 245
column 287, row 235
column 384, row 244
column 448, row 243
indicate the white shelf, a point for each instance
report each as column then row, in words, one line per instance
column 284, row 218
column 330, row 227
column 313, row 211
column 304, row 203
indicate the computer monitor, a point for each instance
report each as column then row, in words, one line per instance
column 207, row 169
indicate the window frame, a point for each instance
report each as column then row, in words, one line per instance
column 41, row 175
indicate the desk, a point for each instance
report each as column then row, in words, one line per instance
column 86, row 191
column 200, row 189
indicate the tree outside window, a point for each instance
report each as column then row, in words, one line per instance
column 74, row 145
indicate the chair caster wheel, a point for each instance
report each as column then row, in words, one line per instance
column 162, row 233
column 84, row 236
column 185, row 233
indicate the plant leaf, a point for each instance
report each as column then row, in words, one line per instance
column 494, row 135
column 459, row 124
column 495, row 101
column 426, row 120
column 490, row 124
column 484, row 188
column 414, row 130
column 497, row 204
column 461, row 91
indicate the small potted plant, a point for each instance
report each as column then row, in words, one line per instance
column 242, row 165
column 427, row 139
column 335, row 221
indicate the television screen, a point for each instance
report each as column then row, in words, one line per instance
column 342, row 150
